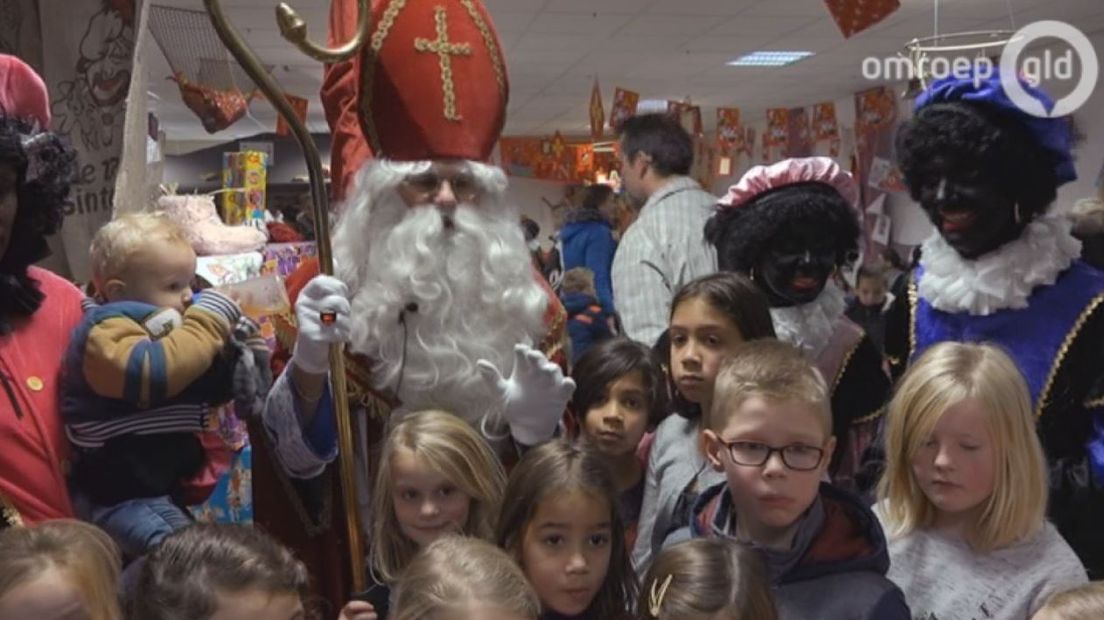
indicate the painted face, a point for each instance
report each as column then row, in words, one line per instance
column 49, row 596
column 967, row 206
column 771, row 497
column 956, row 465
column 159, row 274
column 565, row 551
column 9, row 204
column 796, row 266
column 256, row 604
column 427, row 504
column 616, row 424
column 701, row 337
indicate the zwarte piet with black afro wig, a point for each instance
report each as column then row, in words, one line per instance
column 41, row 199
column 744, row 233
column 982, row 142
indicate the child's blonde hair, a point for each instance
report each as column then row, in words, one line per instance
column 459, row 572
column 559, row 467
column 1081, row 603
column 181, row 578
column 773, row 370
column 453, row 449
column 80, row 551
column 707, row 577
column 945, row 375
column 577, row 280
column 118, row 240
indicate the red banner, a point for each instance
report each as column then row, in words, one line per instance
column 624, row 106
column 777, row 127
column 825, row 123
column 730, row 135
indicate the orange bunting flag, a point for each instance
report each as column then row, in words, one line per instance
column 597, row 112
column 854, row 16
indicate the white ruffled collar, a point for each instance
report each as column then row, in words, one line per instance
column 810, row 326
column 1003, row 278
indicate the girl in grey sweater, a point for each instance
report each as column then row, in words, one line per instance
column 709, row 317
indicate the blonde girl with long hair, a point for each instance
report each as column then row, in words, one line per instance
column 963, row 497
column 436, row 476
column 58, row 570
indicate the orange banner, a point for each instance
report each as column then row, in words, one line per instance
column 597, row 113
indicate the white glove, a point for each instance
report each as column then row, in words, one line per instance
column 323, row 294
column 535, row 395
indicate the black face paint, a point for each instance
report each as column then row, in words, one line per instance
column 796, row 266
column 967, row 205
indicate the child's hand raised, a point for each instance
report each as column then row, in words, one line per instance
column 358, row 610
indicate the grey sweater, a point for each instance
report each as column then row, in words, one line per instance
column 676, row 460
column 944, row 579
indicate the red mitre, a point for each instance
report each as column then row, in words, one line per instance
column 433, row 81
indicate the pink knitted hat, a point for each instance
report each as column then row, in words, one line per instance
column 761, row 179
column 22, row 92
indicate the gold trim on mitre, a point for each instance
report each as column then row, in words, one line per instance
column 372, row 57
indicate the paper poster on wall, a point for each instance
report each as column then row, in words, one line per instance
column 87, row 68
column 263, row 146
column 882, row 226
column 885, row 176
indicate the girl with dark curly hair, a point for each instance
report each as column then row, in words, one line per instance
column 38, row 310
column 1004, row 268
column 790, row 226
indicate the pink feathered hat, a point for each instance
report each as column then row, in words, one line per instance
column 761, row 179
column 22, row 92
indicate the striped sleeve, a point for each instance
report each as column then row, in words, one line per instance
column 123, row 360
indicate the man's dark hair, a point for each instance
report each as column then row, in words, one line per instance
column 596, row 195
column 662, row 138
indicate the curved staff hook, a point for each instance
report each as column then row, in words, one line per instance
column 248, row 60
column 294, row 29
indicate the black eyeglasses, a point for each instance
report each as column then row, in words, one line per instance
column 796, row 456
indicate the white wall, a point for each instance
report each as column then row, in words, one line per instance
column 1090, row 153
column 528, row 195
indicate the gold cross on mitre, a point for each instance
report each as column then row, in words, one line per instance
column 445, row 50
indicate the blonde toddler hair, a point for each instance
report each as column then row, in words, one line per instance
column 78, row 550
column 452, row 448
column 945, row 375
column 578, row 280
column 117, row 241
column 458, row 573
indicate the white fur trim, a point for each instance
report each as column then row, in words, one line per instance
column 810, row 326
column 1002, row 279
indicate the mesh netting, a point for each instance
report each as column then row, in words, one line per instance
column 212, row 83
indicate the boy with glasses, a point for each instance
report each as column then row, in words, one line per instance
column 769, row 432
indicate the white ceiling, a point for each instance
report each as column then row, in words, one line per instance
column 664, row 49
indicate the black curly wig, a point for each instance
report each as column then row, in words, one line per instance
column 41, row 202
column 994, row 144
column 743, row 234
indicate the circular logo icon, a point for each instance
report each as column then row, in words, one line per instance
column 1009, row 68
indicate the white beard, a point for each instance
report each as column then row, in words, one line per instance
column 473, row 285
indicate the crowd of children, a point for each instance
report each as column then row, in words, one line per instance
column 721, row 509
